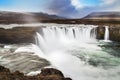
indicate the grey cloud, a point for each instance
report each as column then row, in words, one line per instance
column 62, row 7
column 65, row 8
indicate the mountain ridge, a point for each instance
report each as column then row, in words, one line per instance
column 103, row 15
column 25, row 17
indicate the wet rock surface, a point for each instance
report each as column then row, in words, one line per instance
column 47, row 71
column 46, row 74
column 19, row 61
column 24, row 61
column 100, row 32
column 114, row 33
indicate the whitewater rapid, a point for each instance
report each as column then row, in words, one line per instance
column 74, row 50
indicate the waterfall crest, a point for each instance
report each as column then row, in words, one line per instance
column 73, row 50
column 57, row 36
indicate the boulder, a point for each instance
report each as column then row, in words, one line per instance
column 3, row 69
column 51, row 71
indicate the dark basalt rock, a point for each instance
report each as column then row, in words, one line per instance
column 114, row 33
column 51, row 71
column 3, row 69
column 18, row 35
column 46, row 74
column 100, row 32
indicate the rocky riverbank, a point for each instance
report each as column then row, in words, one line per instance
column 19, row 64
column 18, row 35
column 46, row 74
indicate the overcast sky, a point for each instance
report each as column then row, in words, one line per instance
column 66, row 8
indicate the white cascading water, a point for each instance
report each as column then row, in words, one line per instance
column 55, row 42
column 106, row 36
column 74, row 50
column 64, row 46
column 59, row 36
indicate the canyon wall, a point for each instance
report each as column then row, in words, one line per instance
column 18, row 35
column 114, row 33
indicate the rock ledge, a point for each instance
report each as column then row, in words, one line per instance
column 46, row 74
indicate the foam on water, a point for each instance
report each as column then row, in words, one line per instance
column 70, row 48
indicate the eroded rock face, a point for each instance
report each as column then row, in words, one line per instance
column 46, row 74
column 18, row 35
column 114, row 33
column 100, row 32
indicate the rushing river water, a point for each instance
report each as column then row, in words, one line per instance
column 75, row 51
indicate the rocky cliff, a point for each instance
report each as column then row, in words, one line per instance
column 18, row 35
column 114, row 33
column 100, row 32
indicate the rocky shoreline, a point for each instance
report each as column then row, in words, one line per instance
column 46, row 74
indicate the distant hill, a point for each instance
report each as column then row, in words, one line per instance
column 103, row 15
column 95, row 18
column 18, row 17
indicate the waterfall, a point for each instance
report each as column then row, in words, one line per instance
column 106, row 36
column 73, row 50
column 57, row 36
